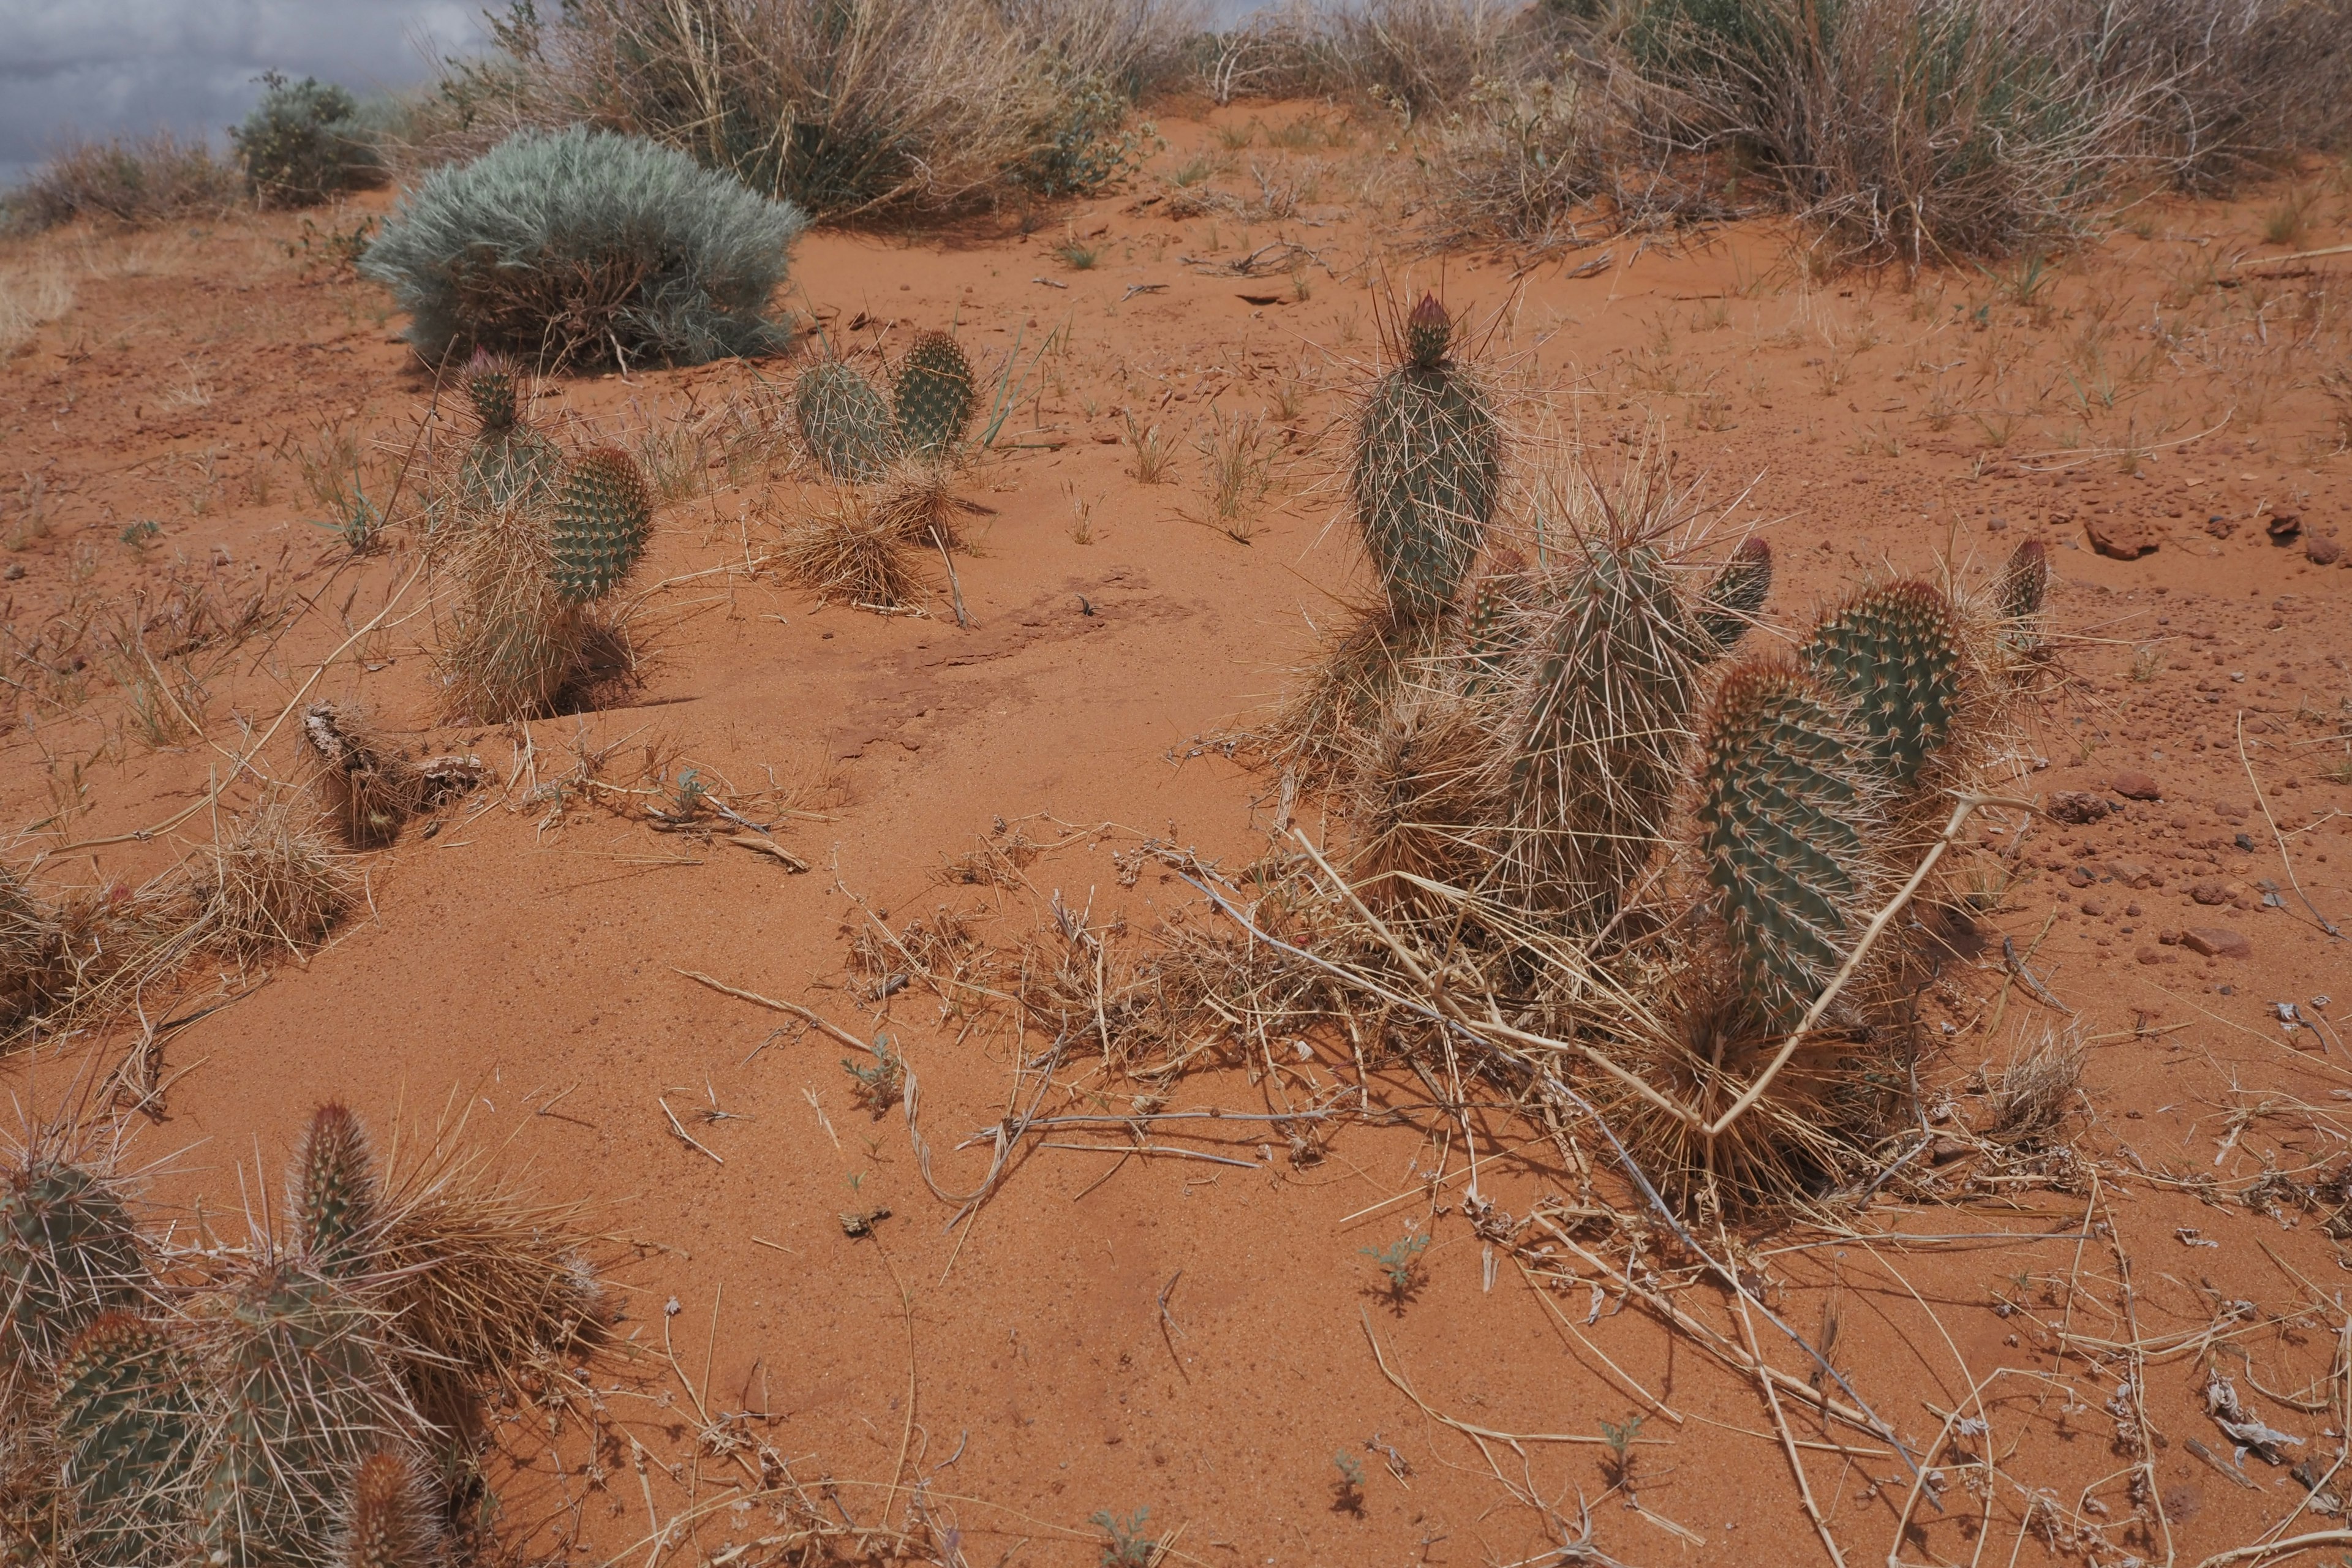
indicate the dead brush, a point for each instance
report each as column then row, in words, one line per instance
column 1319, row 729
column 373, row 787
column 2036, row 1091
column 514, row 642
column 917, row 501
column 846, row 550
column 270, row 881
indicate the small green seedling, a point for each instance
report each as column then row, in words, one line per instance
column 1128, row 1547
column 1348, row 1489
column 1620, row 1439
column 140, row 534
column 879, row 1079
column 1400, row 1259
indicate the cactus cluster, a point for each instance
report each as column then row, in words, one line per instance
column 1427, row 469
column 257, row 1410
column 856, row 434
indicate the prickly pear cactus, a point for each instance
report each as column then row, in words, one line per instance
column 334, row 1194
column 2025, row 582
column 932, row 395
column 490, row 385
column 68, row 1252
column 1491, row 631
column 1428, row 468
column 305, row 1396
column 1893, row 653
column 1608, row 714
column 599, row 525
column 844, row 422
column 1783, row 811
column 390, row 1521
column 127, row 1423
column 1736, row 595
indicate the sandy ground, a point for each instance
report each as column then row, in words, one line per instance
column 1195, row 1336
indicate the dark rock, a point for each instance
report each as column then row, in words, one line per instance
column 2080, row 876
column 2284, row 526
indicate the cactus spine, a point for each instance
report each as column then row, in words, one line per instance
column 1782, row 815
column 334, row 1195
column 1608, row 714
column 844, row 422
column 1736, row 596
column 932, row 395
column 127, row 1419
column 1893, row 653
column 1427, row 470
column 390, row 1522
column 599, row 525
column 68, row 1252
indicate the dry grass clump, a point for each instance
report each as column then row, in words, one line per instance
column 129, row 180
column 917, row 501
column 2033, row 1093
column 30, row 298
column 849, row 549
column 515, row 641
column 271, row 881
column 1420, row 55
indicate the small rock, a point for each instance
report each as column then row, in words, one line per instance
column 16, row 571
column 2220, row 527
column 2095, row 907
column 2132, row 874
column 2321, row 551
column 2121, row 538
column 2080, row 876
column 2168, row 937
column 2077, row 806
column 2209, row 890
column 1945, row 1150
column 2218, row 942
column 2132, row 784
column 2133, row 911
column 1996, row 525
column 2284, row 526
column 2149, row 956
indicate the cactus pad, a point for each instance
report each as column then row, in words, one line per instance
column 601, row 521
column 1782, row 814
column 1428, row 471
column 1490, row 629
column 844, row 421
column 127, row 1419
column 1736, row 596
column 67, row 1253
column 1893, row 653
column 932, row 395
column 334, row 1192
column 2025, row 581
column 489, row 385
column 1428, row 333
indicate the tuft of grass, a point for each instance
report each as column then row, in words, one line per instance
column 848, row 551
column 2288, row 223
column 2035, row 1090
column 272, row 881
column 1079, row 255
column 30, row 298
column 1154, row 454
column 1240, row 471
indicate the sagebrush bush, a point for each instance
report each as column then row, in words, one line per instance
column 580, row 248
column 849, row 112
column 128, row 179
column 305, row 143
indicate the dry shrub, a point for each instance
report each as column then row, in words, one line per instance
column 1419, row 55
column 848, row 549
column 130, row 180
column 917, row 501
column 909, row 106
column 29, row 299
column 271, row 881
column 2035, row 1090
column 372, row 786
column 515, row 643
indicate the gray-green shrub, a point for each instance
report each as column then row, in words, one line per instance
column 579, row 247
column 305, row 143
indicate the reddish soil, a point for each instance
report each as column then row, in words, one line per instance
column 1196, row 1337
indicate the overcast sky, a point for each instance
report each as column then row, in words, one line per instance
column 99, row 67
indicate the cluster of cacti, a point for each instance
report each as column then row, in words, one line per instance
column 855, row 434
column 259, row 1409
column 1427, row 469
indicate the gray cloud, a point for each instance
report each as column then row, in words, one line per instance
column 101, row 67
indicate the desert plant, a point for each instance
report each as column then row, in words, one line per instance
column 844, row 421
column 1400, row 1262
column 1427, row 468
column 1784, row 810
column 581, row 248
column 932, row 398
column 303, row 144
column 128, row 1423
column 390, row 1522
column 67, row 1253
column 600, row 520
column 1892, row 655
column 1491, row 632
column 269, row 880
column 1736, row 595
column 848, row 549
column 509, row 463
column 129, row 180
column 2024, row 584
column 1606, row 719
column 333, row 1191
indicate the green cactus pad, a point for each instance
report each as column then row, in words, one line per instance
column 844, row 422
column 335, row 1192
column 1428, row 333
column 599, row 525
column 507, row 468
column 1782, row 815
column 932, row 395
column 490, row 386
column 1892, row 655
column 1428, row 471
column 1736, row 595
column 68, row 1252
column 127, row 1421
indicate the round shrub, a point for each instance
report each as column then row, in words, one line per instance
column 579, row 247
column 303, row 143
